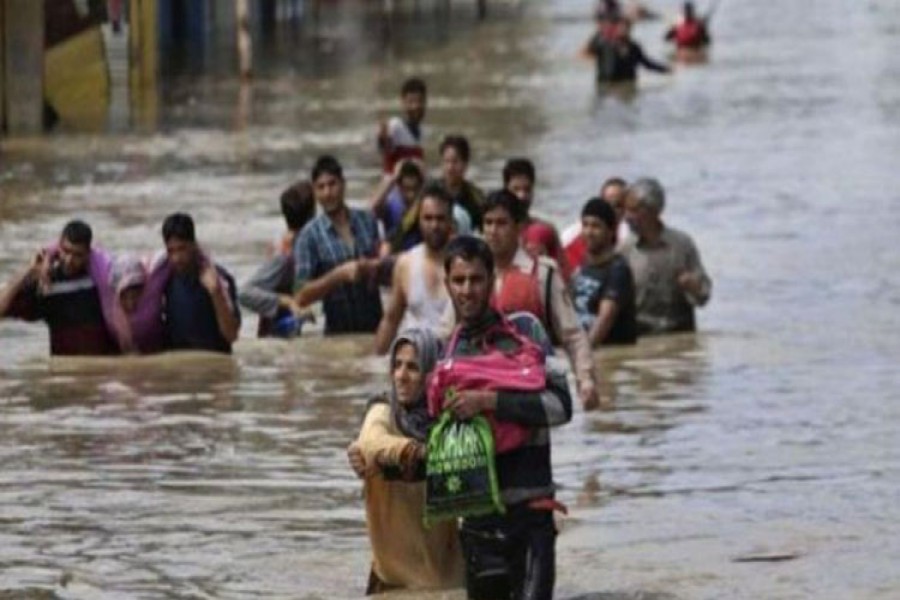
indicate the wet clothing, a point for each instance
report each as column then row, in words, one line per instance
column 405, row 553
column 73, row 313
column 400, row 229
column 513, row 555
column 422, row 308
column 190, row 316
column 662, row 306
column 260, row 294
column 689, row 34
column 471, row 198
column 404, row 142
column 592, row 284
column 350, row 308
column 618, row 62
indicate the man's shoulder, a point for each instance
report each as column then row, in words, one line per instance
column 677, row 236
column 361, row 215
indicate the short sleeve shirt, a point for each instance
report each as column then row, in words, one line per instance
column 190, row 317
column 612, row 281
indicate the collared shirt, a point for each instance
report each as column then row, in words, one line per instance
column 350, row 308
column 71, row 308
column 662, row 305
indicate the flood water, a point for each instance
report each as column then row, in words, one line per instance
column 756, row 459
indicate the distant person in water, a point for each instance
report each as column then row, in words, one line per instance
column 336, row 257
column 400, row 138
column 690, row 32
column 269, row 291
column 201, row 309
column 394, row 205
column 603, row 287
column 617, row 56
column 57, row 288
column 668, row 274
column 468, row 199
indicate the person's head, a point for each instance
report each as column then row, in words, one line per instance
column 298, row 205
column 328, row 184
column 455, row 154
column 181, row 242
column 128, row 278
column 75, row 247
column 435, row 217
column 504, row 216
column 539, row 239
column 413, row 355
column 414, row 96
column 613, row 191
column 410, row 180
column 689, row 13
column 519, row 178
column 644, row 204
column 469, row 269
column 598, row 226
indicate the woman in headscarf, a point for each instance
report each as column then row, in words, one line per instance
column 390, row 451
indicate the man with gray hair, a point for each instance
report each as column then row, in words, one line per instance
column 668, row 275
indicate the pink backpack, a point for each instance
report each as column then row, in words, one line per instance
column 522, row 370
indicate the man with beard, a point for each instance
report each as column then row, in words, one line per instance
column 57, row 288
column 509, row 555
column 418, row 290
column 336, row 257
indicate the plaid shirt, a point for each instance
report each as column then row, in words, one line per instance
column 319, row 248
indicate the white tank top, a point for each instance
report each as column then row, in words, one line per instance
column 422, row 309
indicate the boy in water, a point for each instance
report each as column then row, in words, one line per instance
column 400, row 138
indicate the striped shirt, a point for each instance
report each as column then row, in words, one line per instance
column 350, row 308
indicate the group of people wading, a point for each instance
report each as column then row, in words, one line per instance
column 459, row 264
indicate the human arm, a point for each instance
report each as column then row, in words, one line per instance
column 549, row 407
column 23, row 284
column 649, row 63
column 564, row 320
column 380, row 447
column 224, row 298
column 589, row 49
column 606, row 316
column 396, row 307
column 379, row 198
column 259, row 294
column 693, row 280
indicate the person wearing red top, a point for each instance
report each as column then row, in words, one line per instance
column 690, row 32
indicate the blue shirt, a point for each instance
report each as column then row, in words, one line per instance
column 350, row 308
column 190, row 316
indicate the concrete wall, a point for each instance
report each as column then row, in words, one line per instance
column 23, row 22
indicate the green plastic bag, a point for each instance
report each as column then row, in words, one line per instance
column 460, row 474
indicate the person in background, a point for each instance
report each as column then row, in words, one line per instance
column 525, row 284
column 135, row 314
column 400, row 138
column 617, row 56
column 690, row 32
column 418, row 294
column 394, row 205
column 201, row 310
column 669, row 277
column 389, row 454
column 269, row 291
column 57, row 288
column 336, row 257
column 603, row 287
column 467, row 197
column 510, row 555
column 519, row 177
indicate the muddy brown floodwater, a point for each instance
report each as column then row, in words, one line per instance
column 756, row 459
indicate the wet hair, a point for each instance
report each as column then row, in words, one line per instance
column 78, row 232
column 689, row 10
column 298, row 205
column 618, row 181
column 329, row 165
column 410, row 169
column 414, row 85
column 518, row 167
column 468, row 249
column 649, row 193
column 458, row 143
column 599, row 208
column 437, row 191
column 179, row 226
column 507, row 201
